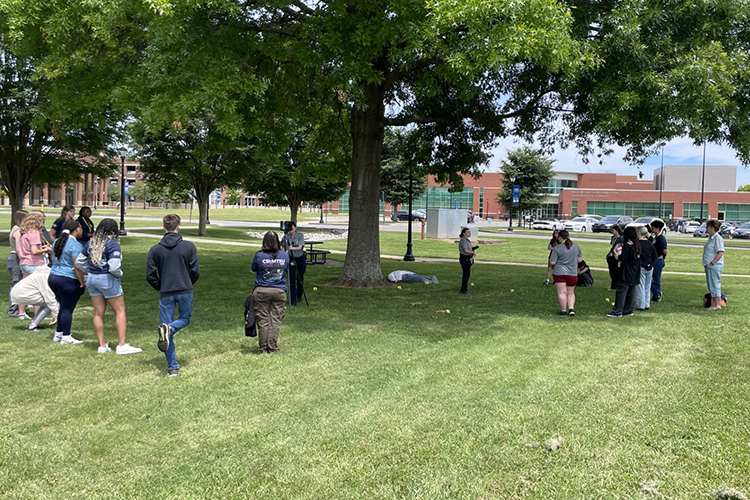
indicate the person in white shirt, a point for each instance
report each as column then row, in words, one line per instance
column 410, row 276
column 34, row 290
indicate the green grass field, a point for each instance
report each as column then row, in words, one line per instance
column 383, row 393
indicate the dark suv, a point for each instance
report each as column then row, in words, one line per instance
column 605, row 225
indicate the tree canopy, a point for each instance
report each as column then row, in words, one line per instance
column 531, row 171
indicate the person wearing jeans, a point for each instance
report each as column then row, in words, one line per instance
column 660, row 243
column 172, row 269
column 648, row 259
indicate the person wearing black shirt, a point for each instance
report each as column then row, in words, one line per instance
column 648, row 259
column 67, row 212
column 87, row 227
column 629, row 259
column 611, row 261
column 660, row 243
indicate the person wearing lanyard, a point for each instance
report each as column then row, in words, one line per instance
column 713, row 262
column 87, row 226
column 294, row 243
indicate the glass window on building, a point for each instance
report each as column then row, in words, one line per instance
column 344, row 203
column 631, row 209
column 735, row 211
column 693, row 210
column 554, row 186
column 574, row 207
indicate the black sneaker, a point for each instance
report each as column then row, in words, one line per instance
column 562, row 313
column 172, row 372
column 613, row 315
column 163, row 342
column 571, row 312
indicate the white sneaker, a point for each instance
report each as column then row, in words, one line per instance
column 127, row 349
column 68, row 339
column 103, row 348
column 57, row 337
column 23, row 316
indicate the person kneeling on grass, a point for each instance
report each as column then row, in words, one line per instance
column 101, row 258
column 34, row 290
column 563, row 260
column 396, row 276
column 172, row 269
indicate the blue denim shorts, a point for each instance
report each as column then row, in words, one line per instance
column 104, row 285
column 28, row 268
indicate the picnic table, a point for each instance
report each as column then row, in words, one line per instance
column 315, row 256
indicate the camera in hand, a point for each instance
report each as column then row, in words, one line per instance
column 474, row 248
column 285, row 225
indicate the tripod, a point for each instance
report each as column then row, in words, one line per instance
column 297, row 282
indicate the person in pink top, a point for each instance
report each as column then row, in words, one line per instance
column 31, row 250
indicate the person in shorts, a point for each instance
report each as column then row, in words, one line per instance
column 563, row 260
column 101, row 259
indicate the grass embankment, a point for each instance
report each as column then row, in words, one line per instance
column 381, row 393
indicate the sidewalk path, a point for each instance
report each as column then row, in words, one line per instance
column 401, row 257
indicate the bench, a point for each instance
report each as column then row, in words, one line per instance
column 317, row 256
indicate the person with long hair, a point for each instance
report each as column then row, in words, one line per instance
column 32, row 249
column 616, row 239
column 65, row 279
column 465, row 258
column 271, row 267
column 13, row 265
column 713, row 262
column 660, row 243
column 563, row 261
column 87, row 226
column 628, row 255
column 67, row 212
column 101, row 259
column 648, row 259
column 552, row 244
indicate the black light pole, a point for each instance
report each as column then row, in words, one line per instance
column 123, row 152
column 96, row 191
column 321, row 213
column 661, row 177
column 512, row 180
column 409, row 256
column 703, row 180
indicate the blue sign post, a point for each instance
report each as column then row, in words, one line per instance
column 516, row 194
column 127, row 186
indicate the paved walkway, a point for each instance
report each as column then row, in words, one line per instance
column 401, row 257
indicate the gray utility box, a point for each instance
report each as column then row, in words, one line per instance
column 445, row 223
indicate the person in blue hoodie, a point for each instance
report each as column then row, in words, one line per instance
column 172, row 269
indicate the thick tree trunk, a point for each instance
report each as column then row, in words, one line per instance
column 294, row 203
column 362, row 264
column 202, row 196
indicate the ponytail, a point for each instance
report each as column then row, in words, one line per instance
column 68, row 227
column 566, row 236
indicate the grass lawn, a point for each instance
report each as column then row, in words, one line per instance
column 383, row 393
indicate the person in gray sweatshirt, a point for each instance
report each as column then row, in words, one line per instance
column 172, row 268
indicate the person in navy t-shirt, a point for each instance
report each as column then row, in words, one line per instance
column 271, row 267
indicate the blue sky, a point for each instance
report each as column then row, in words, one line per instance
column 676, row 152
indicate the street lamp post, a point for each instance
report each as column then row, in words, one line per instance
column 661, row 177
column 512, row 179
column 96, row 191
column 409, row 256
column 321, row 213
column 123, row 151
column 703, row 180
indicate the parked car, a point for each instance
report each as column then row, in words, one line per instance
column 593, row 216
column 581, row 224
column 605, row 225
column 742, row 232
column 700, row 231
column 642, row 221
column 689, row 226
column 727, row 230
column 548, row 224
column 404, row 215
column 420, row 212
